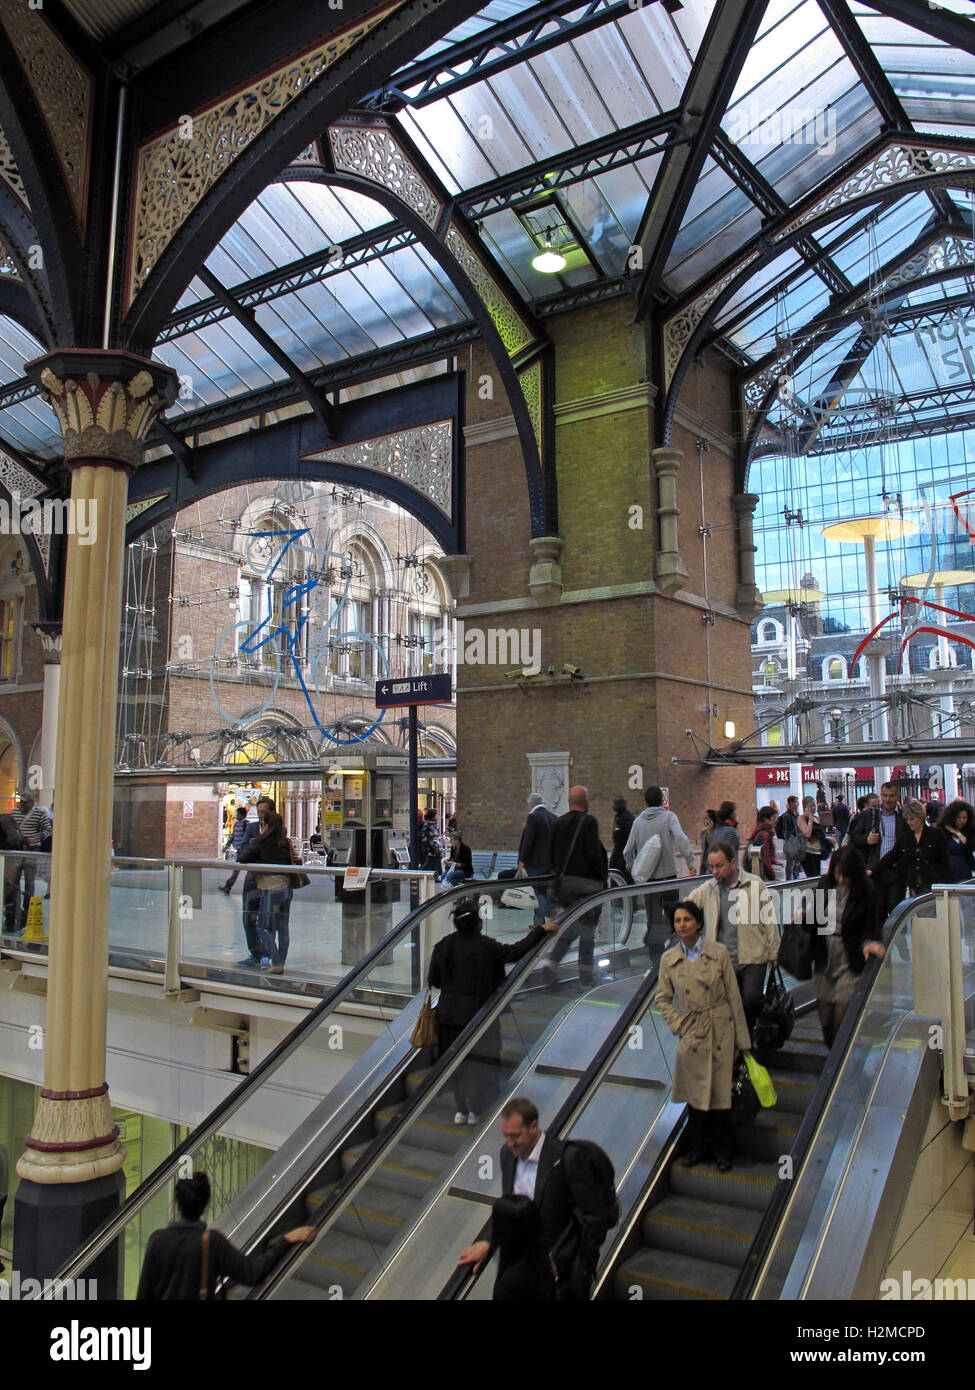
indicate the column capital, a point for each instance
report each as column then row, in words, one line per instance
column 456, row 571
column 49, row 635
column 105, row 401
column 545, row 576
column 745, row 502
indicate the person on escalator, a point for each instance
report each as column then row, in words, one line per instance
column 467, row 967
column 699, row 1000
column 524, row 1273
column 847, row 917
column 184, row 1260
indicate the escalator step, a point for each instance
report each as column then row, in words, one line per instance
column 378, row 1215
column 707, row 1230
column 407, row 1170
column 749, row 1184
column 794, row 1089
column 433, row 1130
column 339, row 1261
column 798, row 1054
column 662, row 1274
column 770, row 1135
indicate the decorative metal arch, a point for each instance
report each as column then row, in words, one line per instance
column 898, row 164
column 298, row 449
column 45, row 551
column 759, row 388
column 250, row 133
column 370, row 157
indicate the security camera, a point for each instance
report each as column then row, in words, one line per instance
column 688, row 733
column 569, row 670
column 516, row 675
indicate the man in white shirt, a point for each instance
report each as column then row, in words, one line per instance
column 531, row 1166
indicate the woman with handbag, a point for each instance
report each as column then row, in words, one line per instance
column 467, row 967
column 185, row 1260
column 272, row 846
column 698, row 998
column 845, row 923
column 810, row 828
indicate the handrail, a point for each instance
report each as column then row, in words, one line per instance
column 812, row 1118
column 114, row 1224
column 465, row 1277
column 440, row 1073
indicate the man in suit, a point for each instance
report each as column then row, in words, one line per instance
column 577, row 852
column 532, row 1166
column 535, row 850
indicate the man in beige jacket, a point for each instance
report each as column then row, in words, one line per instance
column 738, row 912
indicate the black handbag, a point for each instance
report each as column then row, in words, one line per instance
column 744, row 1099
column 566, row 889
column 773, row 1027
column 795, row 950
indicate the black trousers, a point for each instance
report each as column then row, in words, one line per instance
column 710, row 1131
column 751, row 983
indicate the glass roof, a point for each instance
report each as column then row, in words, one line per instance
column 799, row 111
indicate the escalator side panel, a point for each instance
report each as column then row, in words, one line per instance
column 865, row 1209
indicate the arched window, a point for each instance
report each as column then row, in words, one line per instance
column 773, row 736
column 769, row 631
column 935, row 662
column 267, row 572
column 353, row 655
column 834, row 668
column 770, row 672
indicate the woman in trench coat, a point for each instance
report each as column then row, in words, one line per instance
column 698, row 998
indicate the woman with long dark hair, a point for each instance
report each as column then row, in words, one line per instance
column 272, row 847
column 846, row 918
column 709, row 823
column 957, row 824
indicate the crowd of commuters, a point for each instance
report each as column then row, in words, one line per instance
column 710, row 989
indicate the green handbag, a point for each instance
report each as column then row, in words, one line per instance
column 760, row 1079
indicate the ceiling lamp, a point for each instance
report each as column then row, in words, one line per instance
column 549, row 262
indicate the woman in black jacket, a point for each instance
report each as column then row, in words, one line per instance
column 467, row 968
column 173, row 1268
column 919, row 858
column 272, row 846
column 957, row 825
column 847, row 919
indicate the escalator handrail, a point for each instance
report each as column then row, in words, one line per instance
column 808, row 1126
column 464, row 1277
column 208, row 1126
column 348, row 1186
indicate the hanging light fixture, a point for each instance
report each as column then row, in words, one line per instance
column 547, row 261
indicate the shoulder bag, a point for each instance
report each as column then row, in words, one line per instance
column 795, row 950
column 775, row 1022
column 297, row 880
column 567, row 889
column 425, row 1030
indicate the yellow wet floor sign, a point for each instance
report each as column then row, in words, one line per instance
column 34, row 930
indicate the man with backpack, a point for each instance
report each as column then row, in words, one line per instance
column 650, row 855
column 786, row 827
column 572, row 1186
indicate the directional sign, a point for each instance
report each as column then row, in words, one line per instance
column 413, row 690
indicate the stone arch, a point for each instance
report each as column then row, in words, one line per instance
column 11, row 765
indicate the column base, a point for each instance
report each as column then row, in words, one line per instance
column 51, row 1221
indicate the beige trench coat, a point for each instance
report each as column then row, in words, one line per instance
column 700, row 1002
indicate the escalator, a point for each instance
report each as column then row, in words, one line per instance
column 810, row 1207
column 316, row 1116
column 702, row 1223
column 357, row 1243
